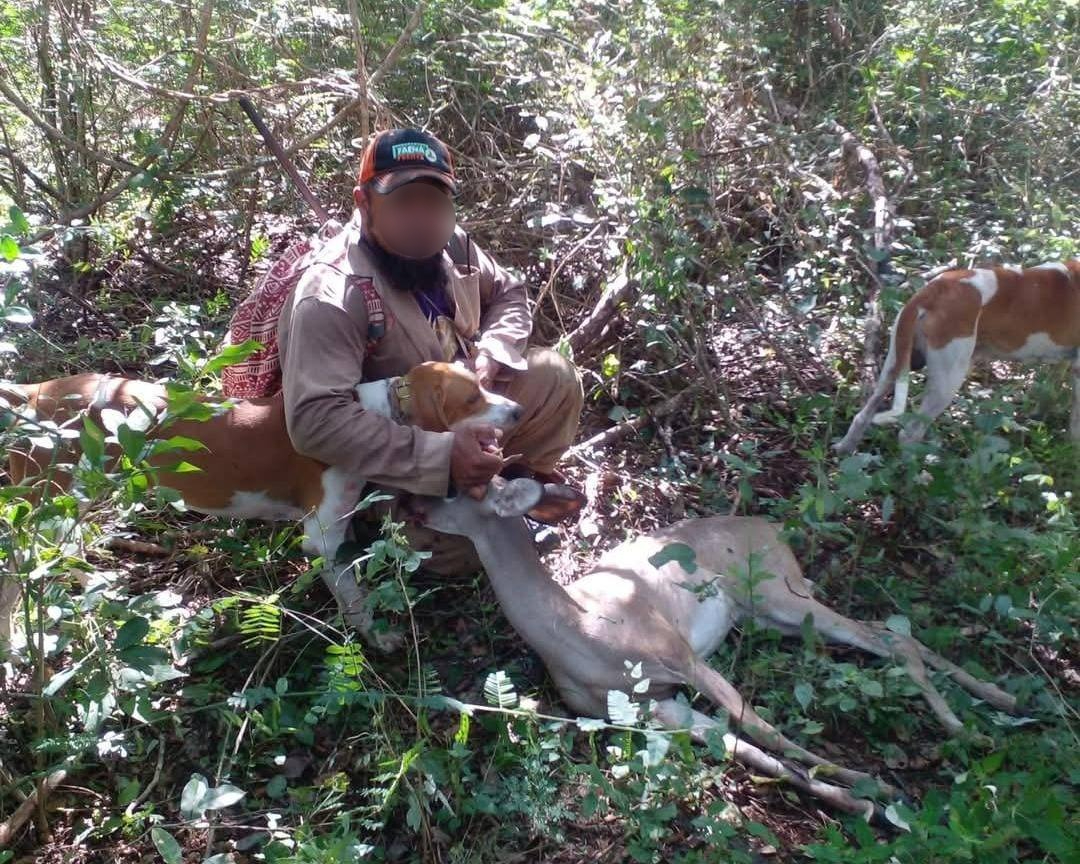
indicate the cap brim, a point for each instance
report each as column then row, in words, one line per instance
column 396, row 179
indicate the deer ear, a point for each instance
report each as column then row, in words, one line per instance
column 514, row 497
column 558, row 503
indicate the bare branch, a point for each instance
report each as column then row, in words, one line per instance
column 584, row 337
column 164, row 140
column 361, row 75
column 26, row 809
column 884, row 229
column 391, row 58
column 55, row 134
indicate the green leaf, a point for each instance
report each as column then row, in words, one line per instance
column 414, row 814
column 893, row 815
column 462, row 735
column 198, row 797
column 19, row 223
column 620, row 709
column 18, row 315
column 174, row 444
column 143, row 658
column 277, row 786
column 762, row 832
column 92, row 441
column 129, row 791
column 609, row 368
column 680, row 552
column 111, row 419
column 9, row 249
column 166, row 844
column 903, row 55
column 871, row 688
column 132, row 442
column 499, row 690
column 191, row 797
column 230, row 355
column 132, row 632
column 899, row 624
column 57, row 682
column 656, row 746
column 804, row 694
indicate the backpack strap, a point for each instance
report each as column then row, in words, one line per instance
column 376, row 314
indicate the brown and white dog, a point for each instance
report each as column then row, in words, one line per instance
column 249, row 469
column 1001, row 313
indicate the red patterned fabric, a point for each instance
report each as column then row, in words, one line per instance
column 257, row 316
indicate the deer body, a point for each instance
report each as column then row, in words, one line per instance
column 626, row 609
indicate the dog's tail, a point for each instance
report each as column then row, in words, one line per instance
column 898, row 362
column 894, row 376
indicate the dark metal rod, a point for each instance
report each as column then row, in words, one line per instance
column 282, row 157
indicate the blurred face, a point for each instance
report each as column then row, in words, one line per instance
column 415, row 221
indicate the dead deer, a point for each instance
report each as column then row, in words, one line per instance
column 670, row 620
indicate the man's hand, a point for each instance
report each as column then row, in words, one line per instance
column 475, row 459
column 486, row 368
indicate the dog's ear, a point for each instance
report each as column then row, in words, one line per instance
column 558, row 503
column 427, row 406
column 438, row 403
column 507, row 498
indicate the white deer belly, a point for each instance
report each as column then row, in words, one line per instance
column 709, row 623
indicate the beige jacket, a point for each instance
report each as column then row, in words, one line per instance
column 323, row 335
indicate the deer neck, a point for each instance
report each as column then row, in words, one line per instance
column 536, row 606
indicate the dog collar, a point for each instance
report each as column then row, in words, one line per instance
column 401, row 395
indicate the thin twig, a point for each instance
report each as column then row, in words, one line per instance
column 134, row 805
column 26, row 809
column 361, row 75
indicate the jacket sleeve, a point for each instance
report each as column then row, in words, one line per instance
column 505, row 321
column 320, row 370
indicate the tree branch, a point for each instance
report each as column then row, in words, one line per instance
column 391, row 58
column 164, row 141
column 884, row 229
column 361, row 75
column 584, row 336
column 25, row 810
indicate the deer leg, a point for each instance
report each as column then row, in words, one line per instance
column 989, row 693
column 677, row 715
column 722, row 693
column 790, row 609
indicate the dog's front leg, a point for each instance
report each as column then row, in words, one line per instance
column 340, row 578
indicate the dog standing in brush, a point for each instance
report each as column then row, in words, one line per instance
column 1003, row 313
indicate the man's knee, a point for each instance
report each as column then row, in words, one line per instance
column 554, row 376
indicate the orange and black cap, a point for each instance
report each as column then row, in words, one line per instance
column 399, row 156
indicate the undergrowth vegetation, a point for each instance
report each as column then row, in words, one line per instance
column 182, row 688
